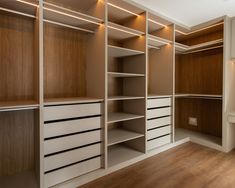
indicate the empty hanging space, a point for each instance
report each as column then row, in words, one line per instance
column 199, row 85
column 18, row 53
column 74, row 53
column 19, row 149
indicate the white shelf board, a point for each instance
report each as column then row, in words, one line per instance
column 231, row 117
column 115, row 51
column 154, row 96
column 119, row 32
column 118, row 154
column 119, row 98
column 124, row 75
column 209, row 140
column 21, row 180
column 18, row 105
column 186, row 49
column 75, row 100
column 114, row 117
column 116, row 136
column 157, row 42
column 59, row 14
column 20, row 7
column 202, row 96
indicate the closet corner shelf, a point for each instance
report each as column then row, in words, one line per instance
column 181, row 48
column 115, row 51
column 119, row 32
column 124, row 75
column 200, row 96
column 119, row 153
column 75, row 100
column 154, row 96
column 119, row 98
column 18, row 105
column 59, row 15
column 117, row 136
column 114, row 117
column 157, row 42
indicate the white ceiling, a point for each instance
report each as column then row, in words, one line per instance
column 191, row 12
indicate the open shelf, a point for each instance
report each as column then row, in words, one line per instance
column 116, row 136
column 74, row 100
column 18, row 105
column 119, row 98
column 25, row 8
column 157, row 42
column 119, row 32
column 115, row 51
column 202, row 96
column 120, row 153
column 59, row 15
column 114, row 117
column 181, row 134
column 154, row 96
column 184, row 49
column 124, row 75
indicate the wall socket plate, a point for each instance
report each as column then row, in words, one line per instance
column 192, row 121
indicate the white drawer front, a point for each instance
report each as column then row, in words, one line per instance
column 70, row 157
column 160, row 112
column 70, row 172
column 69, row 142
column 156, row 103
column 158, row 142
column 158, row 132
column 71, row 111
column 73, row 126
column 154, row 123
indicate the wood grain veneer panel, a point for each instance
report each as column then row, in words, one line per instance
column 200, row 73
column 16, row 142
column 207, row 112
column 17, row 62
column 64, row 62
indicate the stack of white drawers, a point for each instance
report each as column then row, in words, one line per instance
column 159, row 122
column 72, row 141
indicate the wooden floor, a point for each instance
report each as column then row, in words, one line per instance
column 187, row 166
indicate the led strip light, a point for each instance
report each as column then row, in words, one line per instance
column 158, row 23
column 27, row 3
column 129, row 32
column 125, row 10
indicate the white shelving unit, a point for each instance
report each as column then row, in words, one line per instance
column 115, row 51
column 119, row 117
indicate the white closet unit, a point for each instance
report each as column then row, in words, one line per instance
column 88, row 87
column 233, row 39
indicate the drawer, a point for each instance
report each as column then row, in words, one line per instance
column 70, row 172
column 160, row 112
column 69, row 142
column 154, row 123
column 71, row 157
column 73, row 126
column 156, row 103
column 158, row 142
column 158, row 132
column 71, row 111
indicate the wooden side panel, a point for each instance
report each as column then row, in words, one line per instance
column 207, row 112
column 64, row 62
column 17, row 64
column 16, row 142
column 200, row 73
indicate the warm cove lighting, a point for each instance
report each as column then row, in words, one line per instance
column 125, row 10
column 158, row 23
column 111, row 27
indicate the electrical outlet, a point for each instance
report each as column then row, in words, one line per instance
column 192, row 121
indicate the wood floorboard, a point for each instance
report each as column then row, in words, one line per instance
column 187, row 166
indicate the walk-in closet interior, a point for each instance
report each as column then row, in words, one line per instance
column 88, row 87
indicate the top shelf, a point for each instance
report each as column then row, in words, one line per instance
column 23, row 7
column 18, row 105
column 157, row 42
column 59, row 15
